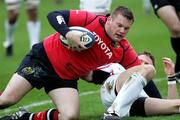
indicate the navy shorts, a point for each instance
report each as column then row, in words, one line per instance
column 160, row 3
column 37, row 69
column 137, row 108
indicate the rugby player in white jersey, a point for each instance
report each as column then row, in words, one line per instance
column 122, row 93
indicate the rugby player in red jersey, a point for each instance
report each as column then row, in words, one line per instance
column 55, row 68
column 146, row 105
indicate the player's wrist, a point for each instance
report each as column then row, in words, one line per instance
column 172, row 77
column 177, row 75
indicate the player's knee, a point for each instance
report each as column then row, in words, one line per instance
column 6, row 101
column 148, row 71
column 12, row 16
column 12, row 20
column 175, row 30
column 32, row 4
column 13, row 6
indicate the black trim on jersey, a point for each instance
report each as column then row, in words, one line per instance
column 122, row 59
column 86, row 19
column 102, row 22
column 99, row 76
column 91, row 20
column 107, row 15
column 61, row 28
column 124, row 52
column 132, row 62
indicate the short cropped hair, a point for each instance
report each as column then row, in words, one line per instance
column 149, row 55
column 126, row 12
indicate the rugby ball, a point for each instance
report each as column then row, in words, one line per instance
column 87, row 40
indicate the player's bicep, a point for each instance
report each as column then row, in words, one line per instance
column 131, row 58
column 80, row 18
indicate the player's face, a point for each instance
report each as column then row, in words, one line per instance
column 117, row 27
column 145, row 59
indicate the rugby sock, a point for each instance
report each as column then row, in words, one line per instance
column 138, row 107
column 152, row 90
column 9, row 28
column 51, row 114
column 127, row 95
column 143, row 94
column 175, row 42
column 34, row 31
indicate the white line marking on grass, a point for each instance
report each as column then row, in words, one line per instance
column 45, row 102
column 160, row 79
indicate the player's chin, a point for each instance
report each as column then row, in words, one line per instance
column 117, row 39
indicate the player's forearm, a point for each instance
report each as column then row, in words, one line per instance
column 96, row 76
column 59, row 21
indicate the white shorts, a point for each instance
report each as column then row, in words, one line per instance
column 107, row 91
column 15, row 4
column 95, row 5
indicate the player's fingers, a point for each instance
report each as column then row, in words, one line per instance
column 84, row 33
column 83, row 47
column 167, row 59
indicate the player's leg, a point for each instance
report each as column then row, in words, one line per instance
column 33, row 24
column 28, row 75
column 131, row 81
column 10, row 24
column 148, row 106
column 167, row 12
column 152, row 90
column 155, row 106
column 67, row 102
column 24, row 114
column 170, row 18
column 14, row 91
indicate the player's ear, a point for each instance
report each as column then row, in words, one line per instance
column 109, row 20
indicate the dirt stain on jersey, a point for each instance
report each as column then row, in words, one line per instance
column 109, row 87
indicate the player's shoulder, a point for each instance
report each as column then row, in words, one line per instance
column 83, row 14
column 125, row 43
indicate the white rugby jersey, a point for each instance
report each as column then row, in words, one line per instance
column 112, row 68
column 95, row 6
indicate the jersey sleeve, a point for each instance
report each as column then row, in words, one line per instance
column 58, row 20
column 130, row 58
column 61, row 20
column 81, row 18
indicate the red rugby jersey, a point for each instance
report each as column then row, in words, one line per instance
column 73, row 64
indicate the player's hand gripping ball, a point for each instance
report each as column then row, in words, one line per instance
column 87, row 39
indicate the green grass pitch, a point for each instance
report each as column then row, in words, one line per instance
column 147, row 33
